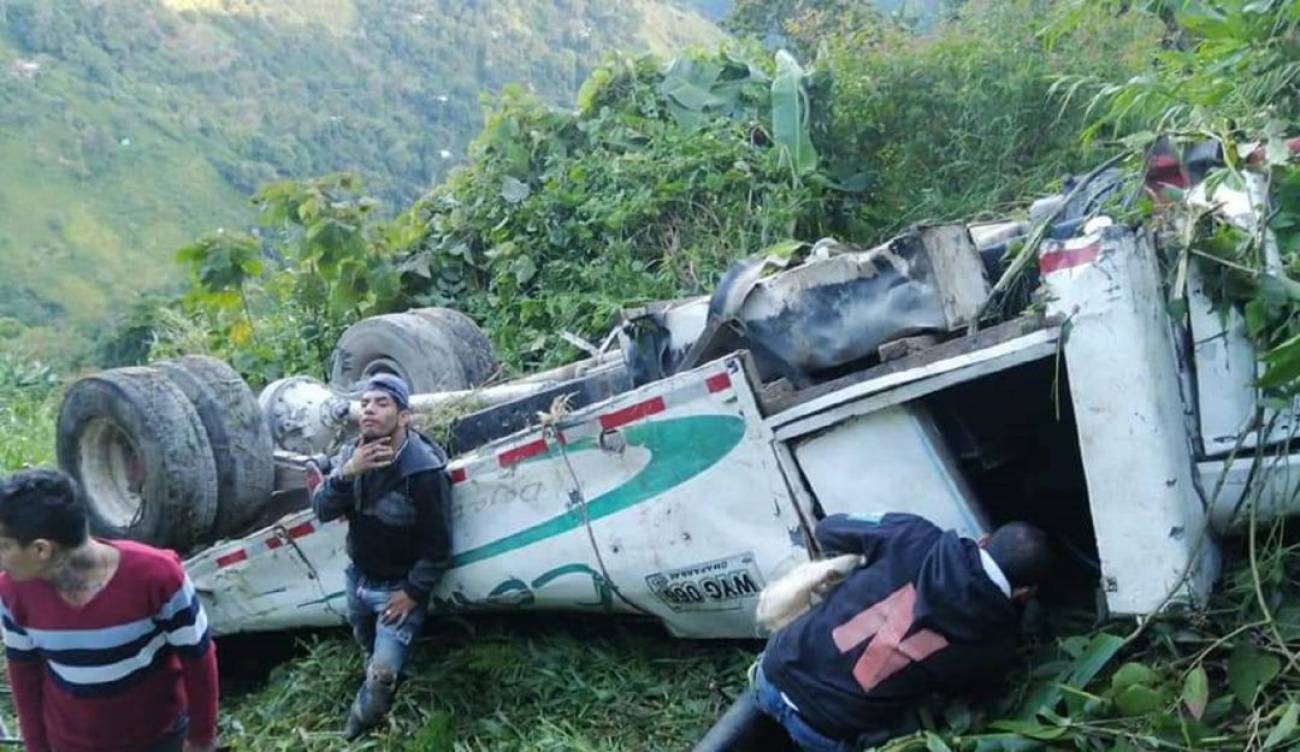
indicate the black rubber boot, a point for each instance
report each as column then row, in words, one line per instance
column 745, row 728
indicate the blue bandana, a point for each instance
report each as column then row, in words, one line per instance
column 392, row 385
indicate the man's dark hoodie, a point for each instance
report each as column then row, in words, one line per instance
column 961, row 628
column 399, row 527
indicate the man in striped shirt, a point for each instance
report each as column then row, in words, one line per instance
column 107, row 645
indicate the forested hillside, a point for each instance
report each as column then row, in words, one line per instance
column 128, row 127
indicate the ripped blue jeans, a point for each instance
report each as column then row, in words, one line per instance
column 385, row 645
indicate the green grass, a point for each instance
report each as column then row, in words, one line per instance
column 27, row 425
column 29, row 403
column 1215, row 679
column 537, row 683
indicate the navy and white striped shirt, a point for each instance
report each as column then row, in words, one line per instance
column 116, row 672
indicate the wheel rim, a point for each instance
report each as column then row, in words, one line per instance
column 112, row 472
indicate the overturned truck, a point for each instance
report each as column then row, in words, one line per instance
column 683, row 464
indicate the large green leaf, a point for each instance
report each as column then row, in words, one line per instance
column 1249, row 670
column 699, row 89
column 784, row 251
column 222, row 263
column 1282, row 365
column 1287, row 618
column 790, row 115
column 1138, row 699
column 1129, row 674
column 689, row 82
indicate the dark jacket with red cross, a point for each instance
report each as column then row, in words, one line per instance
column 920, row 617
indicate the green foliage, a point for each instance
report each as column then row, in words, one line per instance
column 664, row 175
column 698, row 89
column 1226, row 67
column 790, row 117
column 1238, row 273
column 219, row 266
column 1249, row 672
column 958, row 121
column 802, row 25
column 274, row 304
column 29, row 397
column 661, row 179
column 1227, row 71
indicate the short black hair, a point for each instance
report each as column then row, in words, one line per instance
column 45, row 504
column 1022, row 553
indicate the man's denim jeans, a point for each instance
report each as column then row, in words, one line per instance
column 385, row 645
column 808, row 738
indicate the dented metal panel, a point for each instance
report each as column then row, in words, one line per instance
column 835, row 310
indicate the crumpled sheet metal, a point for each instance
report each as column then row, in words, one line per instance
column 835, row 310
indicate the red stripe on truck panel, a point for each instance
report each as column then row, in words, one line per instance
column 632, row 413
column 1068, row 258
column 718, row 382
column 234, row 557
column 458, row 475
column 301, row 529
column 521, row 453
column 273, row 543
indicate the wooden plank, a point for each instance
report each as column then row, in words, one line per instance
column 778, row 397
column 958, row 272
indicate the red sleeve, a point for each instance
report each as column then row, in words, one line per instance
column 201, row 694
column 26, row 678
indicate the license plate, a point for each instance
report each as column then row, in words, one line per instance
column 718, row 585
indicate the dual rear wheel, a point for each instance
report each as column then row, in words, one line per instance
column 178, row 454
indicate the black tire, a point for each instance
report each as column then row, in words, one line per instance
column 236, row 431
column 138, row 448
column 472, row 345
column 433, row 350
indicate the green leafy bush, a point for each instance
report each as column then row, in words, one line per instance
column 959, row 121
column 666, row 173
column 274, row 304
column 660, row 179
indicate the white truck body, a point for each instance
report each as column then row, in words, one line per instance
column 682, row 498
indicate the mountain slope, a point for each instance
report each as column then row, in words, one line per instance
column 128, row 127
